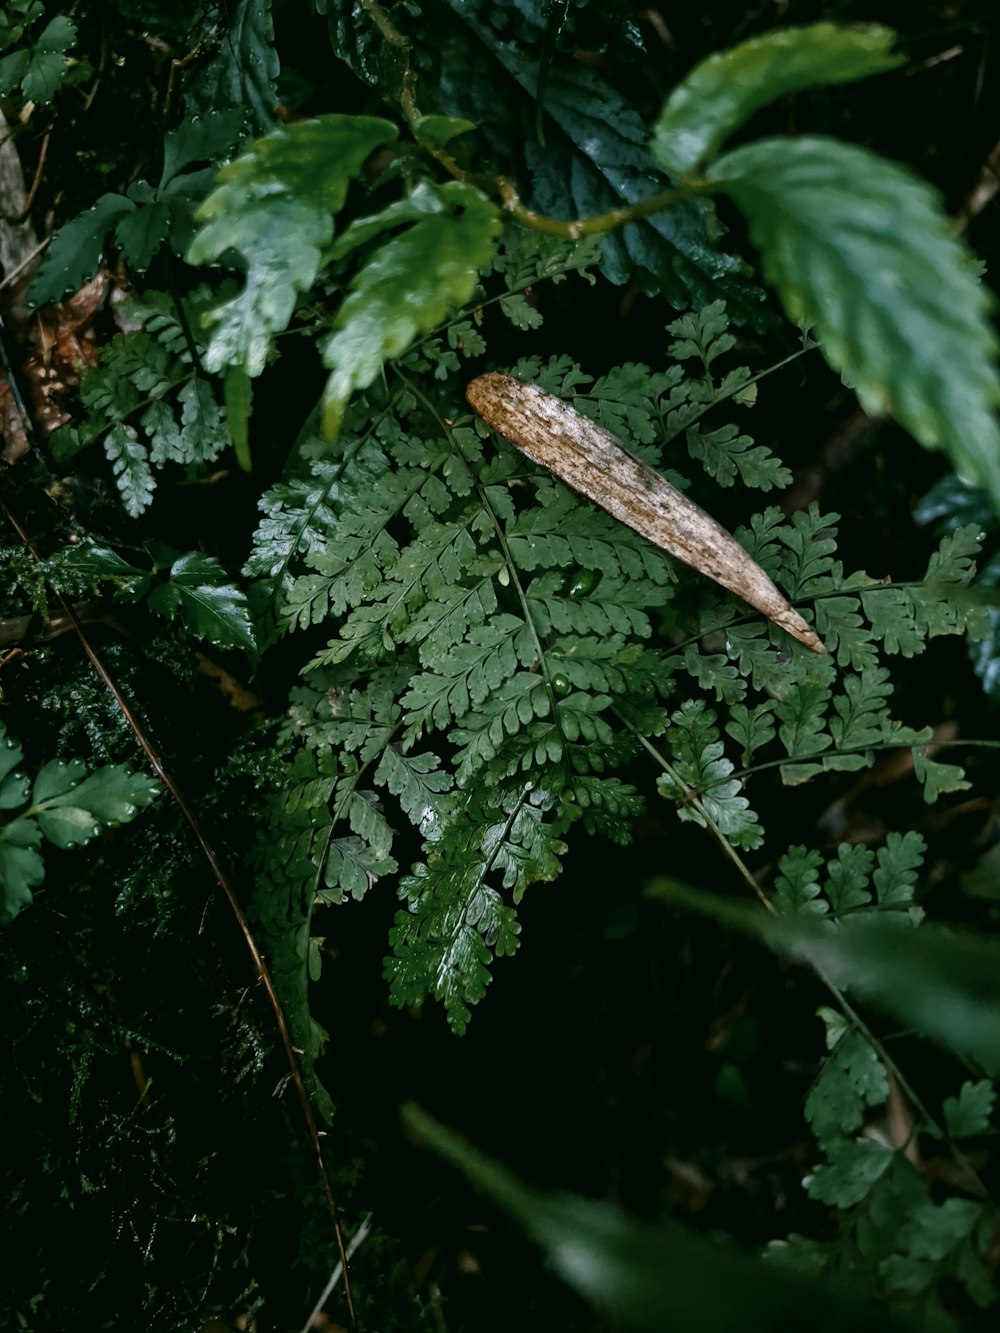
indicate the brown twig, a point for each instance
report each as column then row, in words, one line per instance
column 30, row 197
column 224, row 883
column 982, row 193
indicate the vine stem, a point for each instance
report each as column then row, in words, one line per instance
column 229, row 892
column 846, row 1008
column 503, row 186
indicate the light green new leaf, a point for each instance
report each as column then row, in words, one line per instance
column 937, row 777
column 655, row 1278
column 437, row 131
column 724, row 91
column 862, row 251
column 275, row 205
column 407, row 288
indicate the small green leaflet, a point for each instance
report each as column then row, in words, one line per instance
column 75, row 253
column 969, row 1113
column 724, row 91
column 862, row 251
column 275, row 206
column 65, row 805
column 130, row 465
column 39, row 69
column 436, row 131
column 196, row 588
column 853, row 1169
column 940, row 1239
column 409, row 285
column 699, row 779
column 852, row 1080
column 199, row 591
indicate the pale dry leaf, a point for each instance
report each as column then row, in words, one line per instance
column 590, row 460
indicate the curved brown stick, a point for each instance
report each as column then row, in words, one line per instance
column 591, row 461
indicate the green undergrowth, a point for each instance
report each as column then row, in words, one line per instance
column 376, row 656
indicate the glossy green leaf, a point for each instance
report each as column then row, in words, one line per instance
column 11, row 754
column 40, row 68
column 654, row 1278
column 209, row 605
column 275, row 206
column 724, row 91
column 863, row 252
column 595, row 158
column 201, row 138
column 409, row 286
column 110, row 795
column 56, row 778
column 65, row 804
column 141, row 233
column 243, row 71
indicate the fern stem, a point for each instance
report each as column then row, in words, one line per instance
column 850, row 1013
column 819, row 755
column 693, row 799
column 182, row 318
column 511, row 566
column 669, row 437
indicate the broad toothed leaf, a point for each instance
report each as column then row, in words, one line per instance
column 275, row 205
column 863, row 251
column 724, row 91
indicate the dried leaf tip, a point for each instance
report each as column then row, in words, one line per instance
column 590, row 460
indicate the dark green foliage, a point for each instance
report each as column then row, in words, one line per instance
column 148, row 404
column 64, row 805
column 241, row 75
column 497, row 695
column 449, row 675
column 146, row 216
column 196, row 589
column 38, row 64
